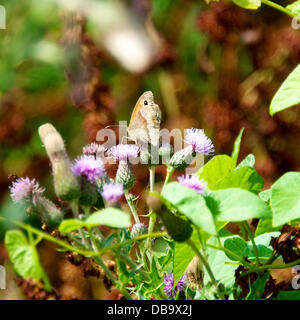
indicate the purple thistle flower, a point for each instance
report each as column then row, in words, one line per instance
column 93, row 149
column 193, row 182
column 23, row 189
column 112, row 192
column 90, row 167
column 169, row 283
column 124, row 151
column 199, row 141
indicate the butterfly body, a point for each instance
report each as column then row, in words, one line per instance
column 145, row 120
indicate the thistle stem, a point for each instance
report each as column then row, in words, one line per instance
column 132, row 208
column 206, row 265
column 74, row 207
column 170, row 171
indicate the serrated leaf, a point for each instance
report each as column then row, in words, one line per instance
column 288, row 94
column 24, row 257
column 111, row 217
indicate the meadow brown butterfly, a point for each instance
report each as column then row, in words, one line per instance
column 145, row 120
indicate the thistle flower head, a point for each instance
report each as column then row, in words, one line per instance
column 169, row 282
column 23, row 189
column 124, row 151
column 112, row 192
column 93, row 149
column 90, row 167
column 193, row 182
column 199, row 141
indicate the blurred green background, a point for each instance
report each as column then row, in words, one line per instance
column 81, row 65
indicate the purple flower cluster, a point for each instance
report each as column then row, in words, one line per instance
column 169, row 283
column 193, row 182
column 199, row 141
column 89, row 167
column 24, row 189
column 112, row 192
column 124, row 151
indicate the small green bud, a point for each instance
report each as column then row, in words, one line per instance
column 182, row 159
column 125, row 175
column 48, row 212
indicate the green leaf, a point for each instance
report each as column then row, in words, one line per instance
column 110, row 217
column 288, row 94
column 220, row 264
column 189, row 203
column 24, row 257
column 248, row 4
column 249, row 161
column 236, row 147
column 216, row 169
column 258, row 287
column 244, row 178
column 285, row 198
column 263, row 246
column 288, row 295
column 264, row 226
column 265, row 195
column 236, row 205
column 237, row 245
column 294, row 7
column 183, row 253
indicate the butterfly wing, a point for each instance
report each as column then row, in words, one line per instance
column 145, row 120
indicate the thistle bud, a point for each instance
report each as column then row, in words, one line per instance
column 138, row 229
column 66, row 185
column 88, row 196
column 48, row 212
column 182, row 158
column 125, row 175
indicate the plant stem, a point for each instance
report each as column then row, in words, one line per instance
column 242, row 229
column 132, row 208
column 74, row 207
column 205, row 263
column 278, row 7
column 112, row 278
column 152, row 215
column 250, row 234
column 95, row 229
column 170, row 171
